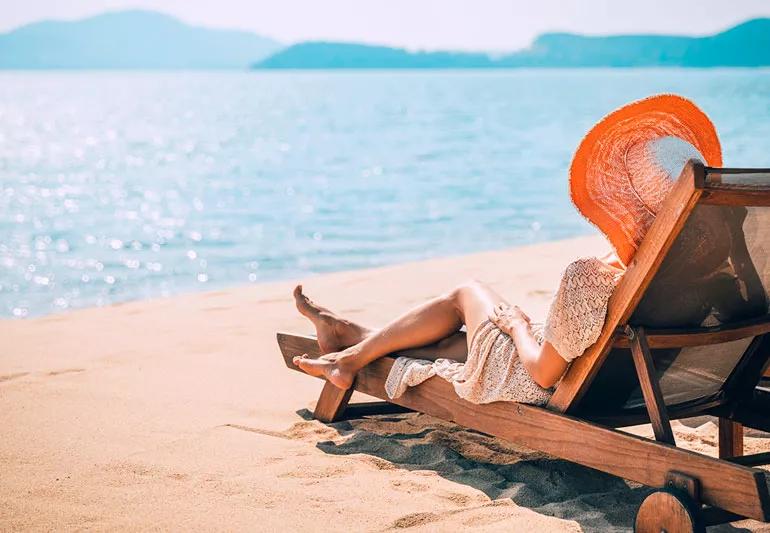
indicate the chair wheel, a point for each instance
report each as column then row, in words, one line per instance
column 669, row 511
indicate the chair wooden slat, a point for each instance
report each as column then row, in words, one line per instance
column 682, row 338
column 748, row 187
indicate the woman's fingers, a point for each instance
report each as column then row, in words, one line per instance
column 504, row 316
column 516, row 311
column 495, row 316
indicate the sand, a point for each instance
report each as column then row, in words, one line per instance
column 178, row 414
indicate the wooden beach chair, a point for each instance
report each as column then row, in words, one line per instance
column 657, row 359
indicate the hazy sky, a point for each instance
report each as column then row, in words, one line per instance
column 457, row 24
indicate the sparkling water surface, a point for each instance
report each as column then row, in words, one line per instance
column 125, row 185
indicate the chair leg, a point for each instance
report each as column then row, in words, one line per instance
column 730, row 438
column 653, row 398
column 331, row 403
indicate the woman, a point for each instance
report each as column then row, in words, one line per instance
column 619, row 177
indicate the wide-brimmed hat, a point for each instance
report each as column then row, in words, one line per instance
column 626, row 165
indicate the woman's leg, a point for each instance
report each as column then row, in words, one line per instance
column 469, row 304
column 332, row 331
column 335, row 333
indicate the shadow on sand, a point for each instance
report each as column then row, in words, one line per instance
column 501, row 470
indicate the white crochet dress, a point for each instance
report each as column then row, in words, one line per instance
column 493, row 371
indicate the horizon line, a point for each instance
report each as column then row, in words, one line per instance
column 286, row 44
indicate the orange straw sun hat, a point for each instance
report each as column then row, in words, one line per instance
column 628, row 162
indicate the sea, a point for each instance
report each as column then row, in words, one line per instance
column 118, row 186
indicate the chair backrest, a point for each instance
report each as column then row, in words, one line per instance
column 706, row 267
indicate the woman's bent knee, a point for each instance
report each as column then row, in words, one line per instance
column 469, row 286
column 469, row 294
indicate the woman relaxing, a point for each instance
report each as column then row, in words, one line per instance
column 619, row 177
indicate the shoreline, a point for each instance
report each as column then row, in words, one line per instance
column 290, row 278
column 179, row 413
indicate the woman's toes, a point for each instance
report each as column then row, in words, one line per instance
column 301, row 301
column 297, row 293
column 298, row 359
column 338, row 374
column 314, row 367
column 307, row 307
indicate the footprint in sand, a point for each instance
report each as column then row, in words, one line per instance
column 9, row 377
column 311, row 431
column 377, row 463
column 319, row 473
column 489, row 513
column 260, row 431
column 409, row 486
column 456, row 498
column 415, row 519
column 142, row 470
column 65, row 371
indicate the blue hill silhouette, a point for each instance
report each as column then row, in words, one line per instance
column 745, row 45
column 129, row 39
column 320, row 55
column 150, row 40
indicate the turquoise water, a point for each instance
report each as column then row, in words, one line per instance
column 117, row 186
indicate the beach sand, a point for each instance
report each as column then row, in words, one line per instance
column 179, row 414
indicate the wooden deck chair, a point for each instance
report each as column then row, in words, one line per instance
column 687, row 333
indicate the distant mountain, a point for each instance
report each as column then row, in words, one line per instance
column 150, row 40
column 745, row 45
column 129, row 39
column 321, row 55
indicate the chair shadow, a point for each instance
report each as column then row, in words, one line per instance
column 553, row 487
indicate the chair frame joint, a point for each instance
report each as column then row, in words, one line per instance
column 685, row 483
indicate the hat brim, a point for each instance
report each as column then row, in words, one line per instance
column 682, row 118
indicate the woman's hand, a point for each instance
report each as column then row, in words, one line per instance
column 543, row 362
column 508, row 318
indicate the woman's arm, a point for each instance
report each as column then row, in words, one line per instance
column 543, row 362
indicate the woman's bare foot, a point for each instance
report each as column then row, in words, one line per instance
column 333, row 332
column 333, row 367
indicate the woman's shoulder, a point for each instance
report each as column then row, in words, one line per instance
column 578, row 309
